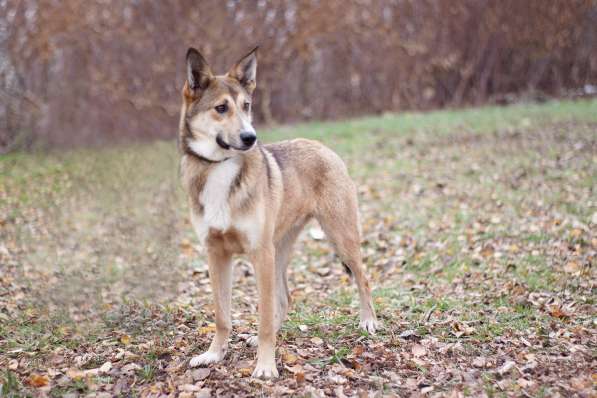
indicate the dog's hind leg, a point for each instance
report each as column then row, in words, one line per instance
column 283, row 252
column 220, row 276
column 338, row 217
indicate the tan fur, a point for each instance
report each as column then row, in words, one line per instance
column 277, row 189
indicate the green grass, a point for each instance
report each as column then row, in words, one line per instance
column 352, row 134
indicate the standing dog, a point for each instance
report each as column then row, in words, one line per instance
column 254, row 199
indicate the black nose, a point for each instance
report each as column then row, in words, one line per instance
column 248, row 138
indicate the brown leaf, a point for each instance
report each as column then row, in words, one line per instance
column 358, row 350
column 207, row 329
column 299, row 377
column 75, row 374
column 571, row 267
column 289, row 358
column 37, row 380
column 558, row 312
column 479, row 362
column 317, row 340
column 576, row 233
column 245, row 372
column 200, row 374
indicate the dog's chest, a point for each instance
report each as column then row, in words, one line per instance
column 214, row 196
column 215, row 200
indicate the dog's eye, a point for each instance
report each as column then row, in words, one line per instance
column 222, row 108
column 247, row 106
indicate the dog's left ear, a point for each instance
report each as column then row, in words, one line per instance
column 245, row 71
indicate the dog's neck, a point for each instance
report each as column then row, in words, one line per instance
column 203, row 158
column 195, row 172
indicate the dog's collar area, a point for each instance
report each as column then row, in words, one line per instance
column 204, row 159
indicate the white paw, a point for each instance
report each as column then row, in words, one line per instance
column 205, row 359
column 252, row 341
column 370, row 325
column 265, row 371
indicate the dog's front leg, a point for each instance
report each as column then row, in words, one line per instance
column 264, row 263
column 220, row 276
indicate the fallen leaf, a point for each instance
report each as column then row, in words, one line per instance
column 75, row 374
column 576, row 233
column 479, row 362
column 125, row 339
column 105, row 368
column 316, row 340
column 200, row 374
column 571, row 267
column 294, row 369
column 336, row 378
column 189, row 387
column 289, row 358
column 203, row 393
column 408, row 334
column 558, row 312
column 130, row 368
column 358, row 350
column 37, row 380
column 524, row 383
column 339, row 392
column 207, row 329
column 245, row 372
column 419, row 351
column 506, row 367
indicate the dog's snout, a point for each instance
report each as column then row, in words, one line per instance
column 248, row 138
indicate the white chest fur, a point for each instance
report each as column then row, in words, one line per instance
column 215, row 198
column 215, row 194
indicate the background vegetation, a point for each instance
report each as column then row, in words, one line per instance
column 75, row 72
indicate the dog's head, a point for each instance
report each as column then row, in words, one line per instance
column 215, row 120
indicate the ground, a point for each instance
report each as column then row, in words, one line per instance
column 479, row 237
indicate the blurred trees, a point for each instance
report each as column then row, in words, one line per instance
column 75, row 72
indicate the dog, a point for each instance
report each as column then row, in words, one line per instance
column 254, row 199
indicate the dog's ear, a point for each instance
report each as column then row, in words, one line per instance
column 245, row 71
column 198, row 72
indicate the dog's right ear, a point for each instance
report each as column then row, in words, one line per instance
column 198, row 72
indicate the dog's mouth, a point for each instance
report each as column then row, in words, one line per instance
column 222, row 143
column 226, row 146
